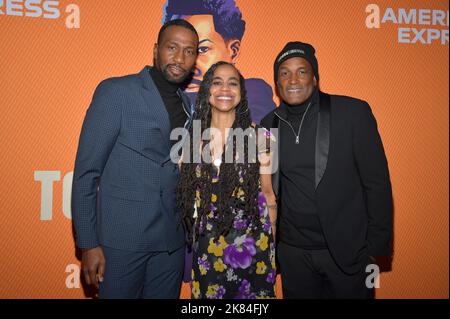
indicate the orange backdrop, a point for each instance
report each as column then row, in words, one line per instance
column 49, row 72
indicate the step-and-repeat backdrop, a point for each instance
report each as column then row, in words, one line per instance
column 394, row 54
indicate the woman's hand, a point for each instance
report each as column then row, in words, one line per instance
column 273, row 213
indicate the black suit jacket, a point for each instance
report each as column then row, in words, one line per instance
column 353, row 189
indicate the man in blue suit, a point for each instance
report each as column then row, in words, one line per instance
column 123, row 196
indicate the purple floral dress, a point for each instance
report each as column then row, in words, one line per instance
column 240, row 265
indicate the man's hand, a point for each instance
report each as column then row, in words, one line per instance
column 93, row 265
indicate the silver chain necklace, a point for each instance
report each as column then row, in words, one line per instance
column 297, row 136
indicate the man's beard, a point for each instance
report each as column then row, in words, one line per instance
column 172, row 79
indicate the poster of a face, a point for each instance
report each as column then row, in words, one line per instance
column 221, row 29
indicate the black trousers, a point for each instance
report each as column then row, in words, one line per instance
column 313, row 274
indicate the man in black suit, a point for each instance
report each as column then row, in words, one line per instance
column 333, row 187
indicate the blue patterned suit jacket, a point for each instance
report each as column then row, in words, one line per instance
column 124, row 184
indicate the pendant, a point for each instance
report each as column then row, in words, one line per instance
column 297, row 140
column 217, row 162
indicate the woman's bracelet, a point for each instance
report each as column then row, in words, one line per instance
column 274, row 206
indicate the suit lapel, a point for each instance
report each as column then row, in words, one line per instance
column 186, row 104
column 155, row 102
column 276, row 176
column 322, row 137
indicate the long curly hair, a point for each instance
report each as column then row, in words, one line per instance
column 197, row 177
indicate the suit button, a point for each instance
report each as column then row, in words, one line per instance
column 161, row 193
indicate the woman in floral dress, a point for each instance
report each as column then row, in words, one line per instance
column 228, row 207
